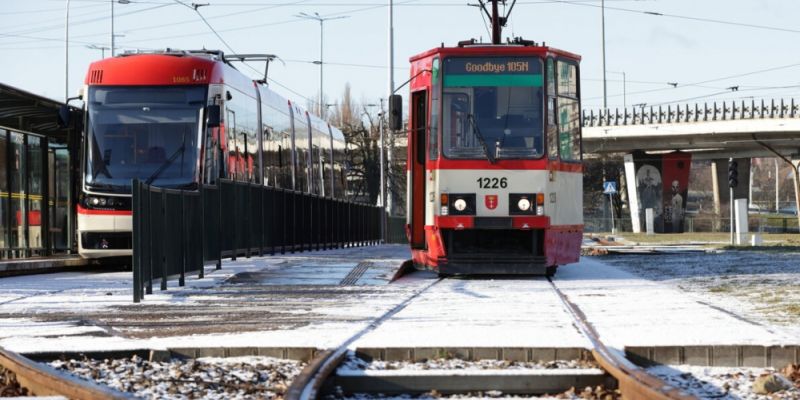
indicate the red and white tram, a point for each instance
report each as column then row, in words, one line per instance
column 494, row 159
column 177, row 118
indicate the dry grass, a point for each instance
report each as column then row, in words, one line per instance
column 705, row 238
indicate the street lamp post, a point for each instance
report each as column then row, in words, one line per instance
column 321, row 19
column 603, row 28
column 390, row 200
column 112, row 22
column 66, row 55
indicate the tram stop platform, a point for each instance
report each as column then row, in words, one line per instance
column 42, row 265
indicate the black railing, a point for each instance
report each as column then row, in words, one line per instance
column 725, row 111
column 178, row 232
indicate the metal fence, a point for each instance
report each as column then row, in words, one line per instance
column 396, row 230
column 177, row 232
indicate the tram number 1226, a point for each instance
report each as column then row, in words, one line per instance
column 492, row 183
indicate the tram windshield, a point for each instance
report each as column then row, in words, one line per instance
column 148, row 133
column 492, row 107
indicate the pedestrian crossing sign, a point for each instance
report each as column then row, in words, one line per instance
column 609, row 187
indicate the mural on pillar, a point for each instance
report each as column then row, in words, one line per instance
column 662, row 183
column 675, row 167
column 649, row 187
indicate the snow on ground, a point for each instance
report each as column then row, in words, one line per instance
column 298, row 301
column 481, row 312
column 628, row 310
column 242, row 304
column 761, row 286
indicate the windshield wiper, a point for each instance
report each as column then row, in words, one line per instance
column 165, row 165
column 480, row 138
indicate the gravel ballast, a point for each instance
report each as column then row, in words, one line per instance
column 202, row 378
column 723, row 382
column 356, row 363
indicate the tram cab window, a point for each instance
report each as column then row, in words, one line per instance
column 486, row 111
column 569, row 129
column 149, row 133
column 552, row 127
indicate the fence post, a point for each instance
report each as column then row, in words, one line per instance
column 136, row 236
column 219, row 225
column 163, row 236
column 263, row 223
column 150, row 235
column 184, row 240
column 202, row 244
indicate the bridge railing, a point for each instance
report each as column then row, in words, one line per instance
column 724, row 111
column 176, row 233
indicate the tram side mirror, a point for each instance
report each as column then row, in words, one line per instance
column 213, row 116
column 64, row 116
column 395, row 112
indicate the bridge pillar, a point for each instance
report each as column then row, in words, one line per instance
column 796, row 164
column 660, row 182
column 633, row 196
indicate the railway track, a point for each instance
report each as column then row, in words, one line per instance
column 41, row 380
column 632, row 381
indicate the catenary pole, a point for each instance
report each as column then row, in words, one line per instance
column 66, row 55
column 389, row 151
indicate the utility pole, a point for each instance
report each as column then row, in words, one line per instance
column 390, row 200
column 603, row 34
column 66, row 55
column 317, row 17
column 112, row 29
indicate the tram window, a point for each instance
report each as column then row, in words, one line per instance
column 433, row 140
column 569, row 131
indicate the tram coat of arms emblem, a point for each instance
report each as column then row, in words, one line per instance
column 491, row 201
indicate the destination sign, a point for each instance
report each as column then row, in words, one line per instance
column 492, row 71
column 492, row 65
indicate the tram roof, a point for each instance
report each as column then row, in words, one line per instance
column 27, row 112
column 479, row 49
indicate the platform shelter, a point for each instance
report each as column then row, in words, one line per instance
column 38, row 171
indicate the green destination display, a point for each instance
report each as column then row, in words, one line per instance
column 492, row 71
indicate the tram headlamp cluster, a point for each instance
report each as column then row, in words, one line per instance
column 526, row 203
column 101, row 201
column 457, row 204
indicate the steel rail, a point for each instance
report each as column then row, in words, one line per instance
column 42, row 380
column 306, row 385
column 633, row 382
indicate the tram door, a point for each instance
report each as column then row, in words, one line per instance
column 419, row 124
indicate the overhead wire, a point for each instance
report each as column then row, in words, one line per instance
column 229, row 47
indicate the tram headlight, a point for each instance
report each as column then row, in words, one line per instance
column 460, row 204
column 524, row 204
column 98, row 201
column 539, row 203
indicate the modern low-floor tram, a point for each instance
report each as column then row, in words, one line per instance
column 178, row 118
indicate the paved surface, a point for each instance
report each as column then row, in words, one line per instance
column 319, row 299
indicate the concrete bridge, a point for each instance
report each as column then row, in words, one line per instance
column 715, row 131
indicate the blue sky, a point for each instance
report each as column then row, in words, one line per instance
column 706, row 46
